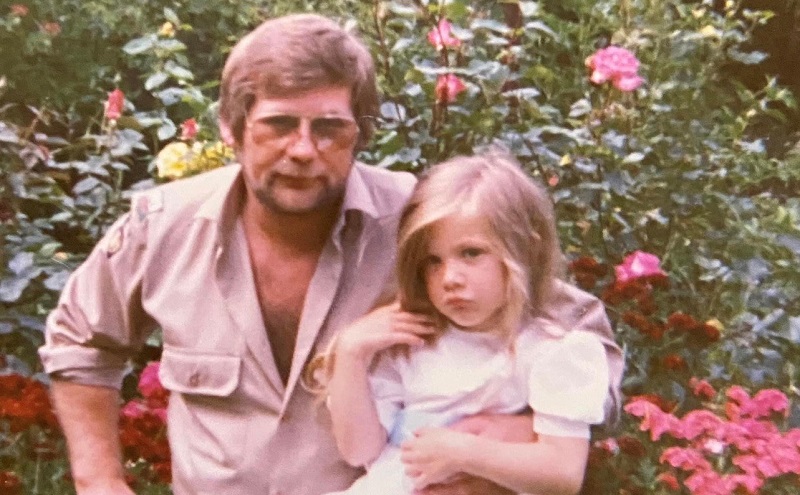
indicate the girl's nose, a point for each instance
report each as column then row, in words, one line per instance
column 452, row 276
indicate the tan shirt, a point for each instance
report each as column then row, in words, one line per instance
column 179, row 261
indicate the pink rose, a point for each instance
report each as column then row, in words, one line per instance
column 188, row 129
column 19, row 10
column 637, row 265
column 441, row 36
column 115, row 104
column 133, row 410
column 149, row 384
column 616, row 64
column 51, row 28
column 448, row 87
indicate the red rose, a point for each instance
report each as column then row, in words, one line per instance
column 448, row 87
column 19, row 10
column 674, row 362
column 188, row 129
column 115, row 104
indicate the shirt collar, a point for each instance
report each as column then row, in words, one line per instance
column 223, row 206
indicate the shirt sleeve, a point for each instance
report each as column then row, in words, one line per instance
column 568, row 384
column 99, row 322
column 386, row 382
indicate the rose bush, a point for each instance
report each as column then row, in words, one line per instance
column 674, row 184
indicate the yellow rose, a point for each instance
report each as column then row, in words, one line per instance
column 172, row 161
column 167, row 30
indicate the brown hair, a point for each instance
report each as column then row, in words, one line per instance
column 519, row 211
column 294, row 53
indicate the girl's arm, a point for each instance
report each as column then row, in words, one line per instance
column 551, row 466
column 359, row 434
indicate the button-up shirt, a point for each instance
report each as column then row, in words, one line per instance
column 178, row 261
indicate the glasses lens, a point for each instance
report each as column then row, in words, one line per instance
column 276, row 126
column 333, row 132
column 326, row 132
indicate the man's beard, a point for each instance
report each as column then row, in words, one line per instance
column 329, row 197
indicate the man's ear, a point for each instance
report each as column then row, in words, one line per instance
column 226, row 134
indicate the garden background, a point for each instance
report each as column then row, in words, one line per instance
column 672, row 159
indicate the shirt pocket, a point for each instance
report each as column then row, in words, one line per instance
column 194, row 373
column 208, row 419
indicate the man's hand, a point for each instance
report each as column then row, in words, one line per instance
column 514, row 428
column 507, row 428
column 434, row 455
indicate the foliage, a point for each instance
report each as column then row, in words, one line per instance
column 662, row 157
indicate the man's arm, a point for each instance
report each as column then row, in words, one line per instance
column 552, row 465
column 500, row 427
column 89, row 416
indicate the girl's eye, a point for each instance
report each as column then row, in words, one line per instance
column 471, row 252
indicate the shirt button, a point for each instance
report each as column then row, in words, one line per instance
column 194, row 379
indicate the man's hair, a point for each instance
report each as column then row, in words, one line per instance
column 295, row 53
column 519, row 213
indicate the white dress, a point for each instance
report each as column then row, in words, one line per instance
column 564, row 380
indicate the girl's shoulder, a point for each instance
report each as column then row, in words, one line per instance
column 548, row 335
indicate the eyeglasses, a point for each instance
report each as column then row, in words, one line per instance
column 328, row 133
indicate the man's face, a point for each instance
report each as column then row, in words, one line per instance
column 297, row 151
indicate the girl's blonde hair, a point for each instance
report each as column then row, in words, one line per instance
column 520, row 214
column 493, row 186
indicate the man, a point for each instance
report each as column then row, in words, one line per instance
column 248, row 270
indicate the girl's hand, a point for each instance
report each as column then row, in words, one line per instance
column 434, row 455
column 383, row 328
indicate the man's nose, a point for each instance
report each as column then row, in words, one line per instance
column 302, row 147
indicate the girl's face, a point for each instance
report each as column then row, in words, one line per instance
column 465, row 278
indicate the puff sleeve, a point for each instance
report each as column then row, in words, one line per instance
column 568, row 384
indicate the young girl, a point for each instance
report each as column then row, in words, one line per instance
column 477, row 257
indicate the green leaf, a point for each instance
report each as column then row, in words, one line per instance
column 171, row 16
column 491, row 25
column 170, row 45
column 523, row 93
column 634, row 157
column 85, row 185
column 21, row 262
column 529, row 9
column 155, row 80
column 400, row 9
column 541, row 27
column 171, row 96
column 57, row 281
column 167, row 130
column 750, row 58
column 793, row 330
column 11, row 288
column 49, row 249
column 139, row 45
column 580, row 108
column 178, row 72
